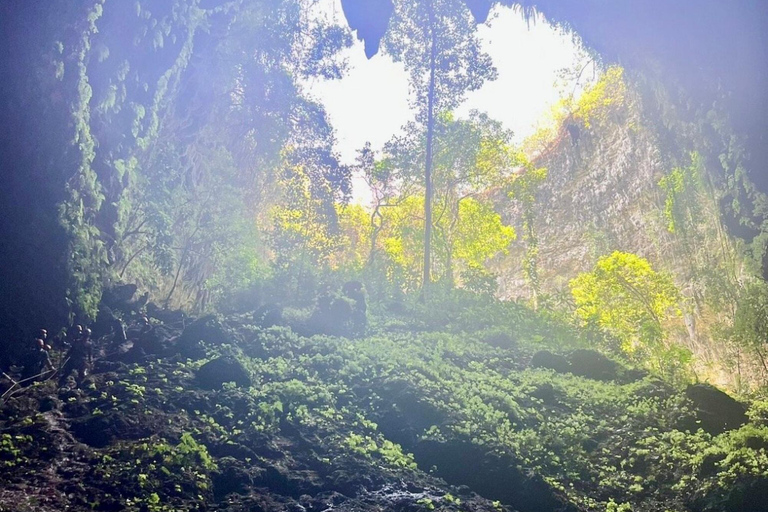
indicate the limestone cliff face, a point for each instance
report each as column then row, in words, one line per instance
column 602, row 194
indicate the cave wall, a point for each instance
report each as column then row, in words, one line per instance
column 715, row 52
column 603, row 194
column 66, row 122
column 34, row 135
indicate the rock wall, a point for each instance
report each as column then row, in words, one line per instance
column 602, row 194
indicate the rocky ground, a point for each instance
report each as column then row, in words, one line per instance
column 225, row 414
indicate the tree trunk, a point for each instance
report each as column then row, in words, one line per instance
column 374, row 236
column 428, row 164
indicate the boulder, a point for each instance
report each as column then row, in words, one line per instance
column 546, row 359
column 493, row 476
column 166, row 316
column 99, row 430
column 715, row 410
column 119, row 296
column 546, row 393
column 207, row 328
column 107, row 322
column 191, row 349
column 500, row 339
column 157, row 340
column 223, row 369
column 268, row 315
column 593, row 365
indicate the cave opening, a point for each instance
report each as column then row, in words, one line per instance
column 172, row 145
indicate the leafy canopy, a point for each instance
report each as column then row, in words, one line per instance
column 438, row 35
column 627, row 298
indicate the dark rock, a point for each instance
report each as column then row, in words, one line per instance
column 339, row 313
column 50, row 403
column 107, row 322
column 325, row 501
column 589, row 445
column 407, row 416
column 135, row 355
column 106, row 365
column 493, row 476
column 715, row 410
column 192, row 349
column 231, row 450
column 593, row 365
column 545, row 393
column 633, row 375
column 268, row 315
column 685, row 421
column 709, row 464
column 500, row 339
column 463, row 490
column 73, row 408
column 546, row 359
column 156, row 340
column 5, row 385
column 288, row 483
column 752, row 497
column 756, row 441
column 232, row 477
column 99, row 430
column 119, row 296
column 167, row 316
column 94, row 431
column 223, row 369
column 208, row 329
column 205, row 329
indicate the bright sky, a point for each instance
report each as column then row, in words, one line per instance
column 370, row 103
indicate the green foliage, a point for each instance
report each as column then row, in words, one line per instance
column 597, row 103
column 190, row 452
column 637, row 451
column 625, row 296
column 470, row 156
column 86, row 252
column 458, row 365
column 12, row 447
column 355, row 232
column 594, row 107
column 480, row 234
column 438, row 45
column 465, row 242
column 750, row 323
column 389, row 452
column 523, row 188
column 680, row 185
column 176, row 174
column 450, row 37
column 170, row 173
column 304, row 236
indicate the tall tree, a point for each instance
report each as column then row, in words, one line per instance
column 436, row 40
column 469, row 156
